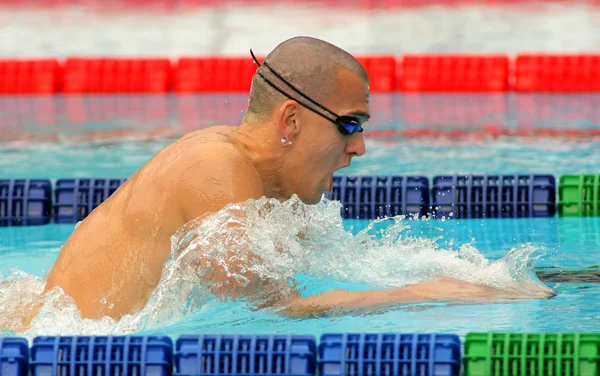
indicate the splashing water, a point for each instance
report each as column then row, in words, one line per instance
column 271, row 243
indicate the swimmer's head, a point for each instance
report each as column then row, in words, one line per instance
column 315, row 98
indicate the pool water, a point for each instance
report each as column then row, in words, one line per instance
column 452, row 247
column 567, row 244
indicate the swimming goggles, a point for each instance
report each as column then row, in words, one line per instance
column 347, row 125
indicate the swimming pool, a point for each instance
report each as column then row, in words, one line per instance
column 424, row 246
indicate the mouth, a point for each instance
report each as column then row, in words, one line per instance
column 329, row 183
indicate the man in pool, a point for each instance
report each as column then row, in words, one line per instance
column 308, row 104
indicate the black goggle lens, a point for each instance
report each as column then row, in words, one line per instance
column 350, row 124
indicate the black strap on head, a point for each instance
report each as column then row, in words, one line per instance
column 290, row 86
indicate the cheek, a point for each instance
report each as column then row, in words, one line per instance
column 326, row 159
column 323, row 149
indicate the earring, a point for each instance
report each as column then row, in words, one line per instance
column 285, row 142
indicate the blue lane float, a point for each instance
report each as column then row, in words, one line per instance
column 25, row 202
column 102, row 356
column 14, row 357
column 370, row 197
column 389, row 354
column 246, row 355
column 495, row 196
column 29, row 202
column 353, row 354
column 75, row 199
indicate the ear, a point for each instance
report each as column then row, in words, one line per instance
column 289, row 119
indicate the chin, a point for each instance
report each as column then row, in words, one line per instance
column 312, row 199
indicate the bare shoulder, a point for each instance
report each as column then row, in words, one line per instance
column 224, row 160
column 218, row 174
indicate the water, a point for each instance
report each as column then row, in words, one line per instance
column 109, row 118
column 494, row 252
column 560, row 244
column 112, row 136
column 390, row 156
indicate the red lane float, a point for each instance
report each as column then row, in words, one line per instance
column 454, row 73
column 117, row 75
column 29, row 76
column 557, row 73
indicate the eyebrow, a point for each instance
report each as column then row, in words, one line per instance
column 361, row 114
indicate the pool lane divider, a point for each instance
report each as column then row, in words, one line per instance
column 499, row 196
column 334, row 354
column 369, row 197
column 521, row 354
column 112, row 355
column 26, row 202
column 423, row 73
column 75, row 199
column 579, row 196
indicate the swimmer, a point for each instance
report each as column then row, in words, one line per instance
column 308, row 104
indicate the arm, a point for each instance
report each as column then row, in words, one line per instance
column 233, row 180
column 343, row 301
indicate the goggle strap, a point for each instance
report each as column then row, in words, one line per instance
column 290, row 97
column 290, row 85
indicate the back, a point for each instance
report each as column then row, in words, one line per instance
column 114, row 258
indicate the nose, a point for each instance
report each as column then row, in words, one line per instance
column 356, row 146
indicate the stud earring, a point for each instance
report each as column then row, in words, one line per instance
column 285, row 142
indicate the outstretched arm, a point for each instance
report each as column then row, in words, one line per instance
column 442, row 289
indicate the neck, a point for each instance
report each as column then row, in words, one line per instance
column 262, row 144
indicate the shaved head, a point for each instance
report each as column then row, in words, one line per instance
column 310, row 64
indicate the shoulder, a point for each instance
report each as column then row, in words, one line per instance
column 219, row 174
column 224, row 161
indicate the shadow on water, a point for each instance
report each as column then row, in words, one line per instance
column 590, row 275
